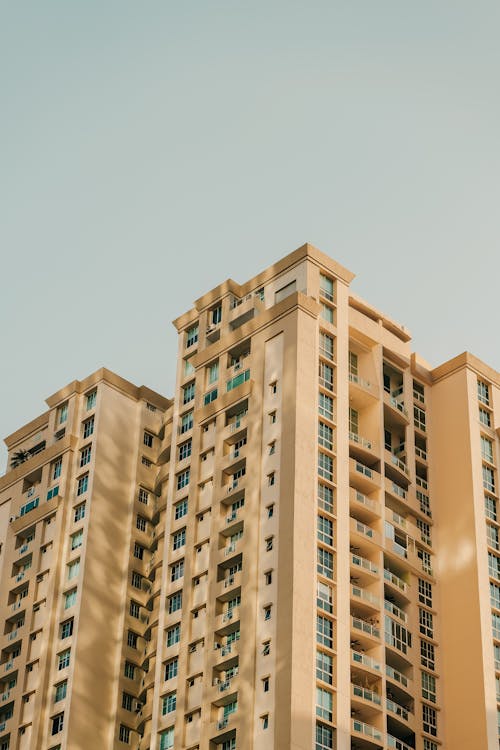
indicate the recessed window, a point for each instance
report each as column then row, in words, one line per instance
column 69, row 599
column 132, row 639
column 91, row 399
column 124, row 734
column 85, row 455
column 271, row 479
column 57, row 724
column 61, row 690
column 148, row 439
column 191, row 336
column 267, row 612
column 66, row 629
column 273, row 387
column 143, row 496
column 56, row 469
column 129, row 670
column 270, row 510
column 77, row 539
column 79, row 512
column 134, row 609
column 83, row 484
column 269, row 543
column 265, row 684
column 272, row 417
column 268, row 577
column 63, row 659
column 265, row 721
column 62, row 414
column 266, row 648
column 141, row 523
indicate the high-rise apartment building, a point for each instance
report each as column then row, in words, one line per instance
column 299, row 551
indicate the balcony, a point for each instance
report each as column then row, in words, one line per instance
column 362, row 391
column 367, row 730
column 366, row 597
column 361, row 562
column 396, row 581
column 398, row 677
column 398, row 710
column 366, row 508
column 362, row 477
column 357, row 527
column 397, row 744
column 420, row 454
column 365, row 627
column 395, row 489
column 395, row 611
column 362, row 660
column 395, row 468
column 361, row 447
column 395, row 411
column 357, row 691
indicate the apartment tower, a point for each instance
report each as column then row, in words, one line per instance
column 299, row 550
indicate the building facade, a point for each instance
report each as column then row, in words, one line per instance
column 299, row 550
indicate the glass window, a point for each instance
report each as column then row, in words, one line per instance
column 484, row 417
column 324, row 737
column 486, row 449
column 169, row 703
column 56, row 469
column 324, row 704
column 181, row 508
column 83, row 483
column 88, row 427
column 186, row 422
column 77, row 539
column 171, row 668
column 91, row 399
column 191, row 336
column 173, row 635
column 324, row 667
column 63, row 659
column 483, row 392
column 325, row 563
column 185, row 450
column 66, row 628
column 69, row 599
column 325, row 406
column 325, row 530
column 188, row 392
column 61, row 689
column 324, row 631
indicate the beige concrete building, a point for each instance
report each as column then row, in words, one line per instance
column 299, row 551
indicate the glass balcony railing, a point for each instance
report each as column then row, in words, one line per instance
column 363, row 442
column 366, row 661
column 396, row 611
column 365, row 627
column 397, row 676
column 361, row 498
column 366, row 729
column 395, row 580
column 397, row 743
column 361, row 593
column 397, row 709
column 366, row 694
column 355, row 378
column 362, row 562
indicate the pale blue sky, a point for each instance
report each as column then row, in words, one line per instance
column 150, row 150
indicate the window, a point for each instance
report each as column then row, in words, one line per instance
column 213, row 372
column 266, row 648
column 492, row 536
column 425, row 532
column 488, row 479
column 69, row 598
column 494, row 595
column 88, row 427
column 270, row 510
column 136, row 580
column 143, row 496
column 285, row 292
column 325, row 345
column 265, row 721
column 272, row 417
column 425, row 592
column 238, row 380
column 267, row 612
column 425, row 557
column 62, row 414
column 188, row 392
column 91, row 399
column 63, row 659
column 396, row 635
column 428, row 687
column 324, row 597
column 185, row 450
column 77, row 539
column 325, row 436
column 183, row 479
column 325, row 530
column 83, row 483
column 484, row 417
column 325, row 498
column 79, row 512
column 124, row 734
column 324, row 631
column 326, row 287
column 324, row 704
column 325, row 406
column 56, row 469
column 129, row 670
column 138, row 551
column 419, row 418
column 271, row 478
column 177, row 571
column 324, row 737
column 148, row 439
column 191, row 336
column 175, row 602
column 61, row 691
column 73, row 569
column 490, row 507
column 141, row 523
column 495, row 624
column 186, row 422
column 145, row 461
column 483, row 392
column 127, row 701
column 273, row 387
column 169, row 703
column 268, row 577
column 188, row 368
column 326, row 376
column 430, row 745
column 85, row 455
column 354, row 423
column 173, row 635
column 429, row 720
column 486, row 449
column 269, row 544
column 353, row 365
column 134, row 609
column 494, row 565
column 171, row 668
column 326, row 312
column 324, row 667
column 265, row 684
column 66, row 629
column 426, row 625
column 132, row 639
column 179, row 539
column 57, row 724
column 325, row 466
column 427, row 655
column 167, row 739
column 325, row 563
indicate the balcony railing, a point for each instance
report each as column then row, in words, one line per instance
column 364, row 470
column 397, row 744
column 365, row 627
column 363, row 442
column 390, row 607
column 366, row 729
column 421, row 483
column 397, row 676
column 399, row 519
column 418, row 396
column 420, row 453
column 395, row 580
column 366, row 694
column 365, row 660
column 362, row 562
column 397, row 709
column 399, row 491
column 363, row 529
column 354, row 378
column 365, row 595
column 399, row 463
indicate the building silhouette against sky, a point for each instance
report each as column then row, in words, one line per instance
column 299, row 550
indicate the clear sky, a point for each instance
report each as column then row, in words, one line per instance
column 150, row 150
